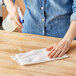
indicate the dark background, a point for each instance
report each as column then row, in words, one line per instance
column 0, row 23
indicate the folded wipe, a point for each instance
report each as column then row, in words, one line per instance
column 34, row 56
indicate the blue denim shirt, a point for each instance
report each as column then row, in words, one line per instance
column 48, row 17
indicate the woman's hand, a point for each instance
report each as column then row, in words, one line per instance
column 13, row 13
column 59, row 49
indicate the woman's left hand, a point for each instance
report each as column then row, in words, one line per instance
column 59, row 49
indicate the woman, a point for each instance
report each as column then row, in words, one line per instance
column 56, row 18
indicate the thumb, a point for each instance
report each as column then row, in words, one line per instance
column 51, row 47
column 48, row 49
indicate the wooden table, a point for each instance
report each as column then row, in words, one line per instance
column 12, row 43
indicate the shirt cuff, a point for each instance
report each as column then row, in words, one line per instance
column 73, row 16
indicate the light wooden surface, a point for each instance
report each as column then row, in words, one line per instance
column 12, row 43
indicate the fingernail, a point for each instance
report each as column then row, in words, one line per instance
column 54, row 57
column 21, row 26
column 59, row 56
column 50, row 57
column 47, row 49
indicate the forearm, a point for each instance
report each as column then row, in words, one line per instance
column 71, row 33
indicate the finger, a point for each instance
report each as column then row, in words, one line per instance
column 18, row 22
column 65, row 49
column 52, row 54
column 52, row 50
column 57, row 54
column 62, row 53
column 48, row 49
column 11, row 18
column 59, row 48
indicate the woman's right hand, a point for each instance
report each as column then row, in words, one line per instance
column 13, row 12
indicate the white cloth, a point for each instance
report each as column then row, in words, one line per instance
column 34, row 56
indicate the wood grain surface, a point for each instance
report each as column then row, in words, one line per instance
column 13, row 43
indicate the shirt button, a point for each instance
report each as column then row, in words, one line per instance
column 42, row 8
column 43, row 19
column 43, row 31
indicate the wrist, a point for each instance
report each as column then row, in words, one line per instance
column 8, row 2
column 71, row 33
column 69, row 38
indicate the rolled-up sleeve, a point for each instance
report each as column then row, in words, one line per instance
column 73, row 16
